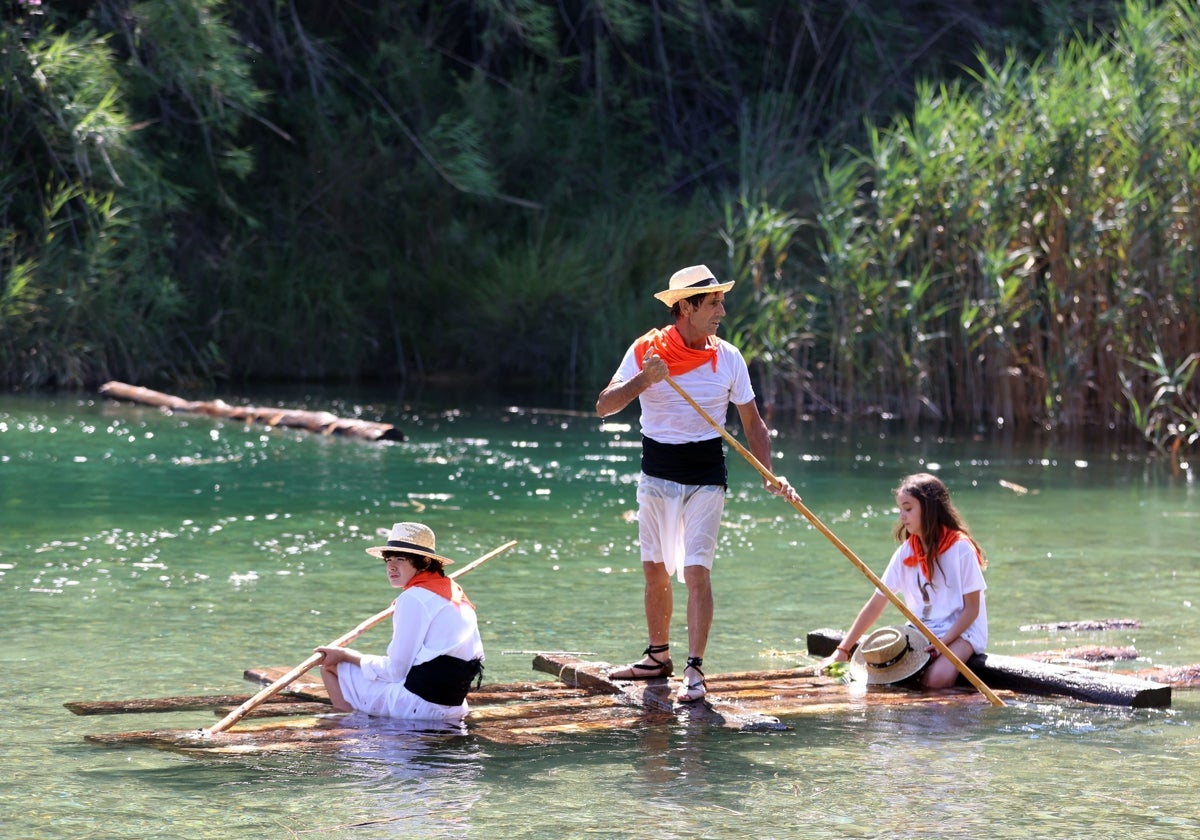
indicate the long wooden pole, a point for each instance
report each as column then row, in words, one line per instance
column 314, row 660
column 832, row 537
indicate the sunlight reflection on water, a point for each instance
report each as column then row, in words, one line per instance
column 147, row 555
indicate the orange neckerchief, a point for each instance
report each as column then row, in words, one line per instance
column 668, row 344
column 948, row 538
column 439, row 585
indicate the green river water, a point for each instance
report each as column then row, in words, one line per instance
column 146, row 555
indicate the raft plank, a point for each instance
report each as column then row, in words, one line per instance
column 1042, row 678
column 536, row 708
column 269, row 710
column 488, row 693
column 192, row 703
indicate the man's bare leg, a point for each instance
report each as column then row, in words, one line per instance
column 699, row 622
column 658, row 604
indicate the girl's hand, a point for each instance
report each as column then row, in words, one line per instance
column 834, row 658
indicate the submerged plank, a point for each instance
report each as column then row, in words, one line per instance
column 1042, row 678
column 1181, row 676
column 1090, row 624
column 1085, row 653
column 275, row 736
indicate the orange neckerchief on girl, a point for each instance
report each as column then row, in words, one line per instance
column 439, row 585
column 668, row 345
column 948, row 538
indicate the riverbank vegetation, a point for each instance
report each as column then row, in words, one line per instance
column 974, row 212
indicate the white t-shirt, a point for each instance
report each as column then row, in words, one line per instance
column 668, row 418
column 424, row 626
column 959, row 574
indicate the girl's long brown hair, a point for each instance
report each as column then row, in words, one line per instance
column 936, row 511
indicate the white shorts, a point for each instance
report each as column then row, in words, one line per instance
column 678, row 523
column 389, row 699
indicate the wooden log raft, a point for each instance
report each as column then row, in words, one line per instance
column 583, row 699
column 1042, row 678
column 320, row 422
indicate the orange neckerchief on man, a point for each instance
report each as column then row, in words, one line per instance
column 440, row 585
column 668, row 345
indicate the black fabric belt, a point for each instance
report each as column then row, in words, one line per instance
column 445, row 679
column 702, row 462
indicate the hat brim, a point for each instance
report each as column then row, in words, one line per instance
column 911, row 662
column 672, row 296
column 380, row 550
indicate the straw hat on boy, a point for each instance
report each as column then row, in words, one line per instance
column 412, row 538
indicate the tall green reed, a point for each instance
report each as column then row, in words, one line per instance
column 1015, row 250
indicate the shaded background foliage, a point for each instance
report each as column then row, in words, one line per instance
column 490, row 189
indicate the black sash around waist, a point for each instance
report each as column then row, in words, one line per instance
column 445, row 679
column 702, row 462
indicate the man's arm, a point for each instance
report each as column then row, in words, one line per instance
column 759, row 438
column 620, row 394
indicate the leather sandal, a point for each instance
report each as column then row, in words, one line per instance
column 695, row 690
column 643, row 670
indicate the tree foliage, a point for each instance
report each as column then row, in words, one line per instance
column 492, row 188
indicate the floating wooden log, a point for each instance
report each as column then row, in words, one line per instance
column 1041, row 678
column 1085, row 653
column 319, row 422
column 1091, row 624
column 1181, row 676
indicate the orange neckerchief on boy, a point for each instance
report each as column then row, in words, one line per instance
column 668, row 345
column 440, row 585
column 948, row 538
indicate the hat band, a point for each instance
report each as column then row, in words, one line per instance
column 409, row 545
column 711, row 281
column 894, row 659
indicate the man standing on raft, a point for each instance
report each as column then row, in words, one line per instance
column 681, row 491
